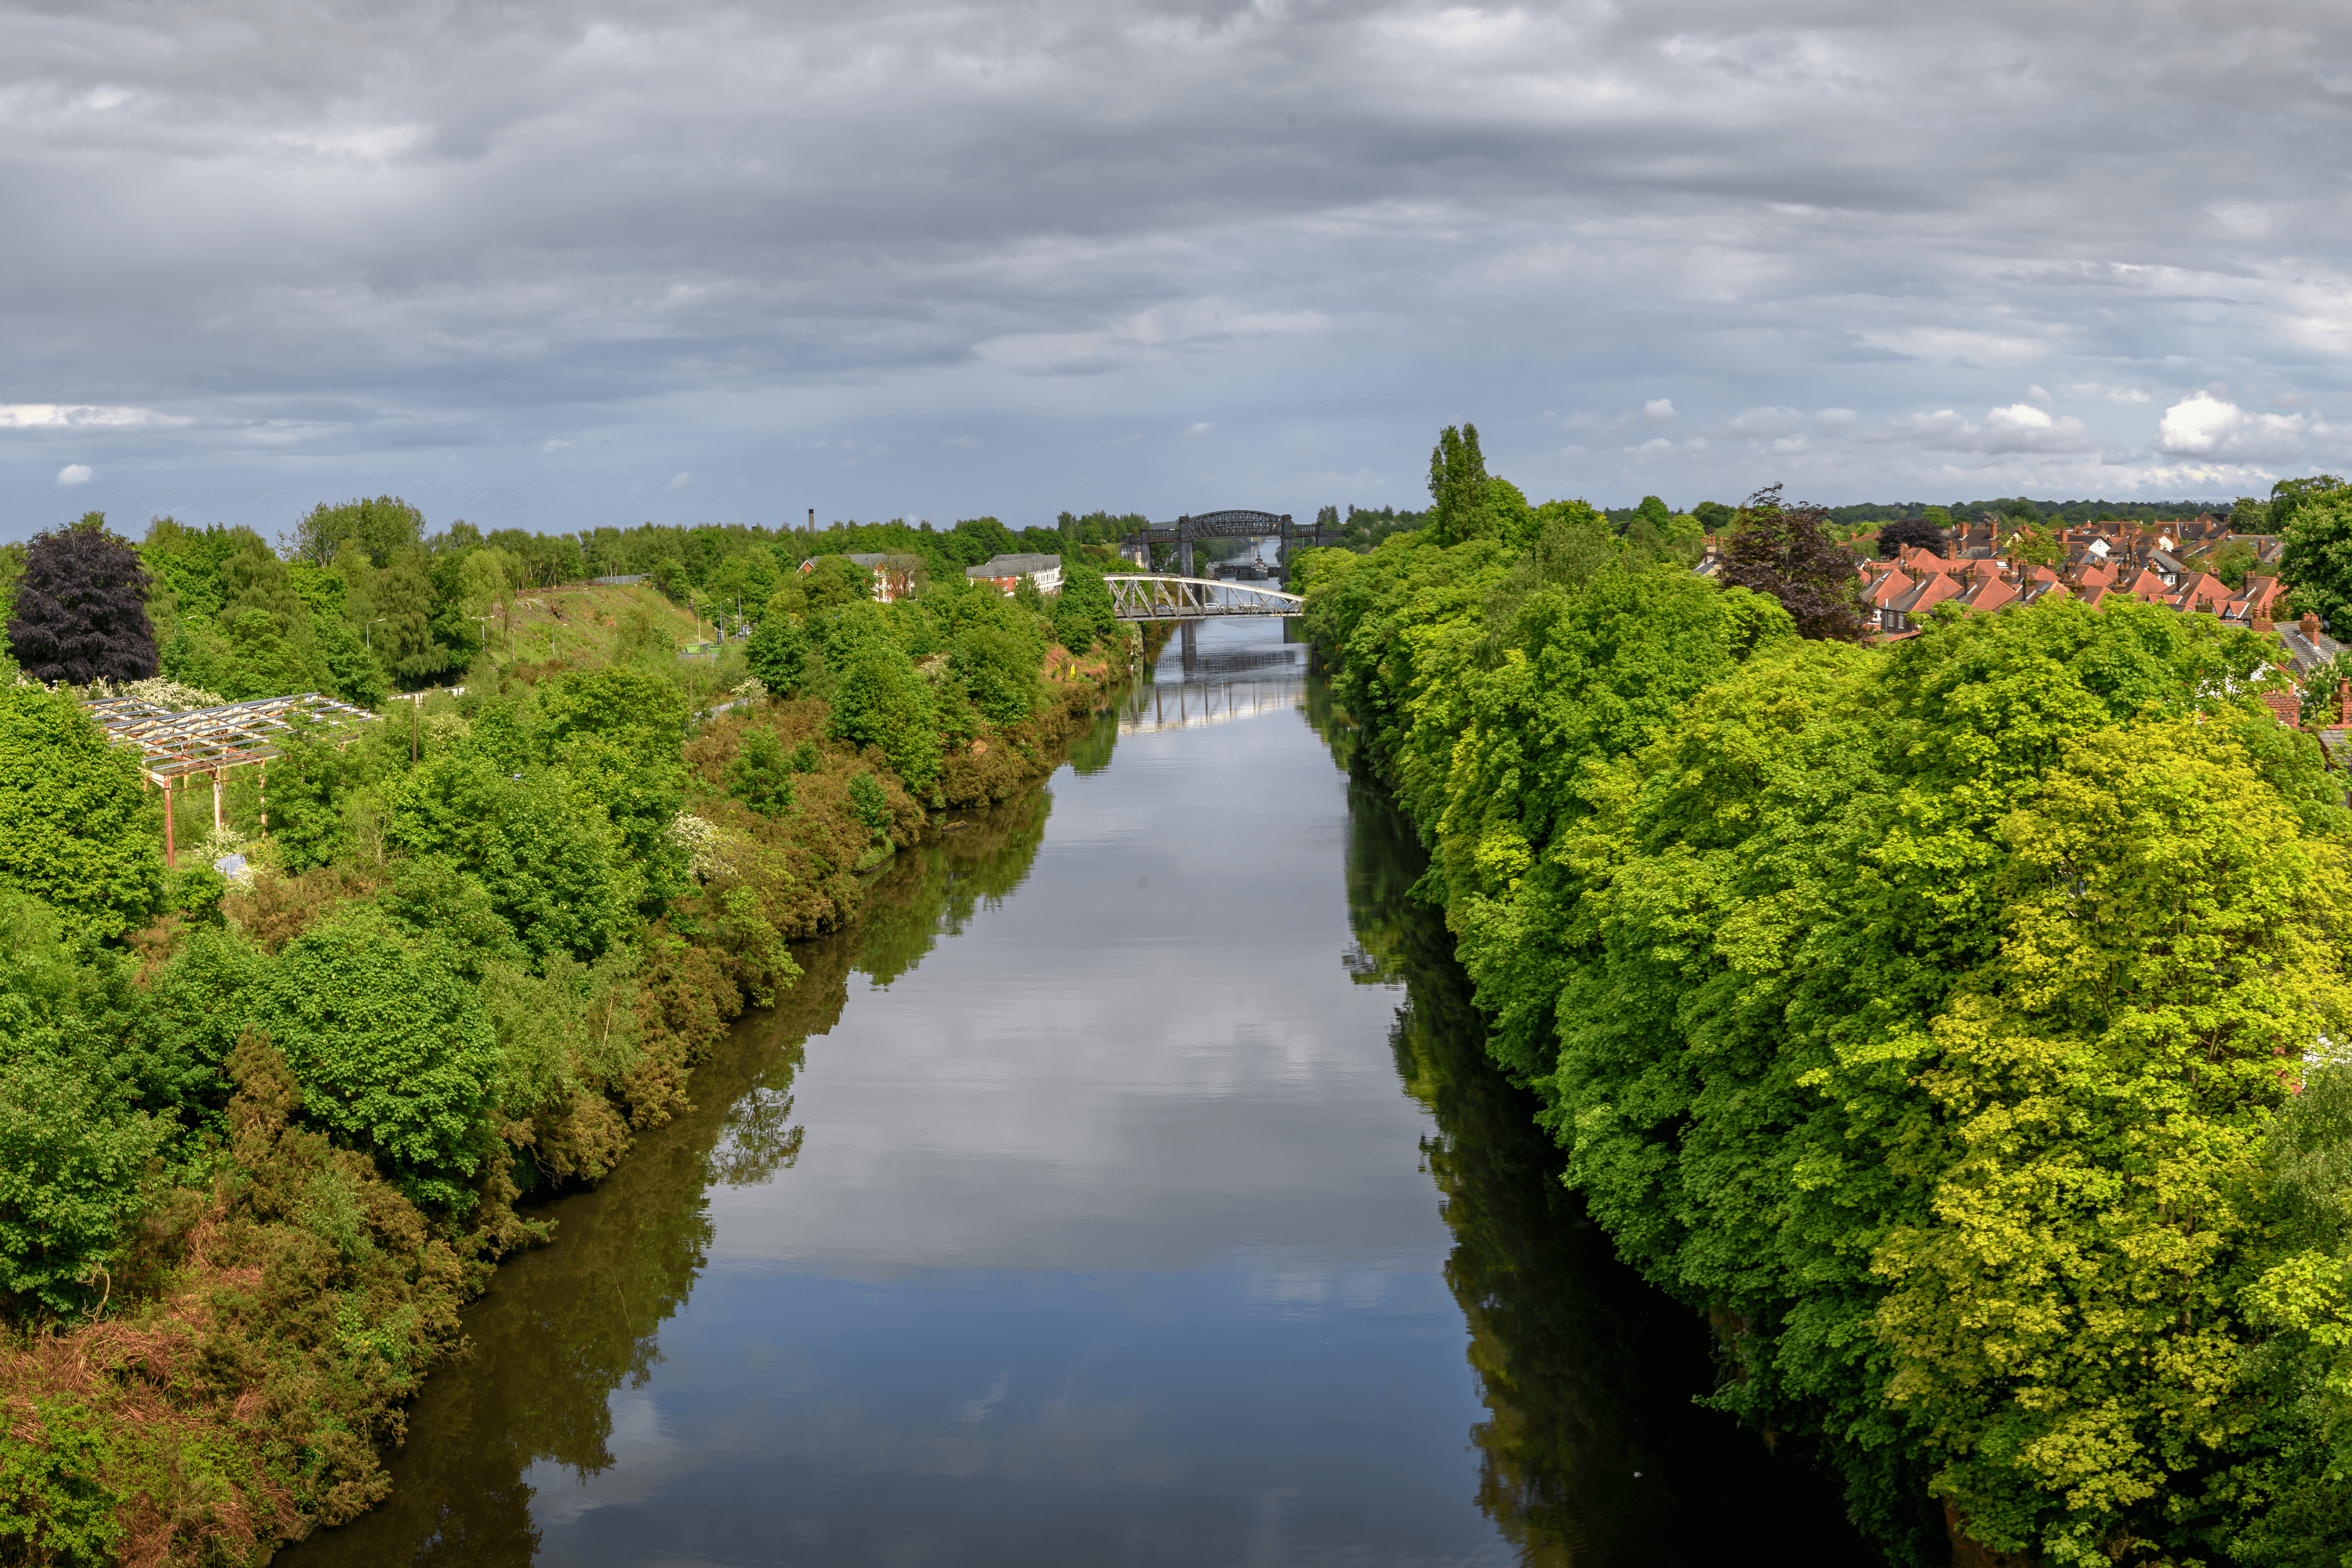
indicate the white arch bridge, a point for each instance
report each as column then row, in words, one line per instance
column 1141, row 597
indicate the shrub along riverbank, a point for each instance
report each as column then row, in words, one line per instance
column 1955, row 1023
column 259, row 1141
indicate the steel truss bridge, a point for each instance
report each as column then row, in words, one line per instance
column 1139, row 598
column 1185, row 530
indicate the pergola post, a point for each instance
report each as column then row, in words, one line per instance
column 170, row 854
column 261, row 795
column 216, row 800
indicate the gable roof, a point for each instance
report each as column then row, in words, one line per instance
column 1014, row 566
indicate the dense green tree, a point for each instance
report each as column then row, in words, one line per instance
column 255, row 656
column 2289, row 496
column 395, row 1057
column 997, row 670
column 254, row 578
column 778, row 653
column 762, row 774
column 381, row 529
column 1083, row 614
column 1466, row 502
column 2318, row 560
column 833, row 581
column 70, row 1162
column 77, row 828
column 74, row 1139
column 405, row 641
column 1921, row 1014
column 541, row 845
column 641, row 713
column 2233, row 562
column 870, row 802
column 185, row 564
column 883, row 701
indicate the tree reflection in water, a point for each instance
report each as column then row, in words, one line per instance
column 564, row 1327
column 1592, row 1451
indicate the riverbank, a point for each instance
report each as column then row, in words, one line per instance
column 476, row 971
column 1873, row 995
column 963, row 1252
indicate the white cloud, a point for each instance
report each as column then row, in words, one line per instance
column 74, row 474
column 2112, row 393
column 556, row 444
column 1658, row 409
column 2203, row 426
column 1201, row 428
column 77, row 416
column 2019, row 428
column 679, row 481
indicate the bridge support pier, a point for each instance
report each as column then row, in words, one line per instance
column 1189, row 637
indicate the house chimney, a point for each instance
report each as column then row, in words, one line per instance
column 2310, row 628
column 2344, row 703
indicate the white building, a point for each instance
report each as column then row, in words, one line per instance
column 1007, row 571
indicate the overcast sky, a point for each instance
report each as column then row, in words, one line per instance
column 602, row 262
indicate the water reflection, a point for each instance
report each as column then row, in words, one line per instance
column 1189, row 704
column 1592, row 1451
column 1106, row 1235
column 565, row 1329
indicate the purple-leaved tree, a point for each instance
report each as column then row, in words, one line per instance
column 81, row 607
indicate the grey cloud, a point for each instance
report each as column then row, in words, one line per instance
column 335, row 247
column 2020, row 427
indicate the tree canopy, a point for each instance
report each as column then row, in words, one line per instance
column 1785, row 551
column 2318, row 560
column 80, row 610
column 1911, row 533
column 1949, row 1021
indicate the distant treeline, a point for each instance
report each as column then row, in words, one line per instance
column 1364, row 526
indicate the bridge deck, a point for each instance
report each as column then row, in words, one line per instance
column 1154, row 598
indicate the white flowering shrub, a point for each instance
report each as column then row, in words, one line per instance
column 703, row 844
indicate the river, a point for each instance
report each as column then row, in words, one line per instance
column 1129, row 1189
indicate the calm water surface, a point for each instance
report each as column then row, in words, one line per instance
column 1129, row 1190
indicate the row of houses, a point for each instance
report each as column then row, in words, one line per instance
column 1898, row 595
column 2165, row 563
column 2160, row 563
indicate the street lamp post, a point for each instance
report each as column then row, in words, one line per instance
column 367, row 634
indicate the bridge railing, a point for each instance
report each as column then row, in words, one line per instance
column 1155, row 597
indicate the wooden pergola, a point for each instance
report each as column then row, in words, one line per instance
column 176, row 745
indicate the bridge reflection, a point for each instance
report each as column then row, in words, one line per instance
column 1189, row 704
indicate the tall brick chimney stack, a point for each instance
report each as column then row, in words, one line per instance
column 2344, row 703
column 2309, row 627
